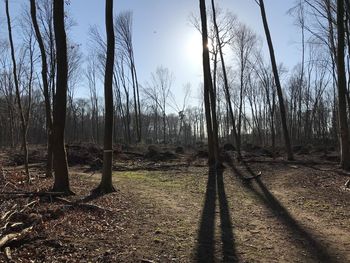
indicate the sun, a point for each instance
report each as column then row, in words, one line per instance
column 193, row 50
column 194, row 46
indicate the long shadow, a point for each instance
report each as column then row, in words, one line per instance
column 206, row 234
column 304, row 239
column 228, row 242
column 206, row 243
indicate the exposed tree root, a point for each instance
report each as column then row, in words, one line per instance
column 102, row 190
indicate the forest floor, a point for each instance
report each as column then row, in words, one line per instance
column 178, row 211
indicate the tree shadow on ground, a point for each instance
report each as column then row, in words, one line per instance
column 305, row 240
column 205, row 251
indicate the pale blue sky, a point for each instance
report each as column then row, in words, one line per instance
column 163, row 35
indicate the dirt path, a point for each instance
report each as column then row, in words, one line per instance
column 186, row 218
column 291, row 213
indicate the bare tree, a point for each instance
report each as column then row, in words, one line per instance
column 106, row 185
column 244, row 44
column 277, row 82
column 91, row 75
column 45, row 83
column 266, row 79
column 123, row 81
column 342, row 113
column 24, row 121
column 123, row 26
column 7, row 93
column 60, row 165
column 160, row 92
column 226, row 85
column 209, row 96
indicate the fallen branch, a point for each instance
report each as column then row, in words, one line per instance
column 83, row 206
column 6, row 218
column 9, row 213
column 347, row 184
column 31, row 194
column 252, row 177
column 12, row 184
column 28, row 205
column 8, row 253
column 133, row 153
column 15, row 236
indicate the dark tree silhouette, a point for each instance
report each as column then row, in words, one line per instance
column 277, row 82
column 60, row 166
column 24, row 121
column 44, row 71
column 209, row 96
column 106, row 185
column 226, row 85
column 343, row 120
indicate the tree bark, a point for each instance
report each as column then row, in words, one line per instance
column 227, row 90
column 106, row 185
column 342, row 113
column 60, row 165
column 209, row 96
column 277, row 82
column 24, row 122
column 44, row 72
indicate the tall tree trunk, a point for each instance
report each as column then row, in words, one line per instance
column 139, row 125
column 277, row 82
column 24, row 122
column 106, row 185
column 44, row 71
column 209, row 96
column 136, row 111
column 60, row 165
column 301, row 82
column 343, row 120
column 227, row 90
column 164, row 127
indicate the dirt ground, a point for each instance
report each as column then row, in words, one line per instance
column 178, row 211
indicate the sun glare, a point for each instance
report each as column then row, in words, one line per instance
column 194, row 48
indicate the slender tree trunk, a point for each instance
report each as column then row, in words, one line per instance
column 343, row 120
column 277, row 82
column 240, row 108
column 164, row 127
column 60, row 165
column 227, row 90
column 137, row 100
column 136, row 111
column 44, row 71
column 301, row 82
column 209, row 96
column 24, row 122
column 106, row 185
